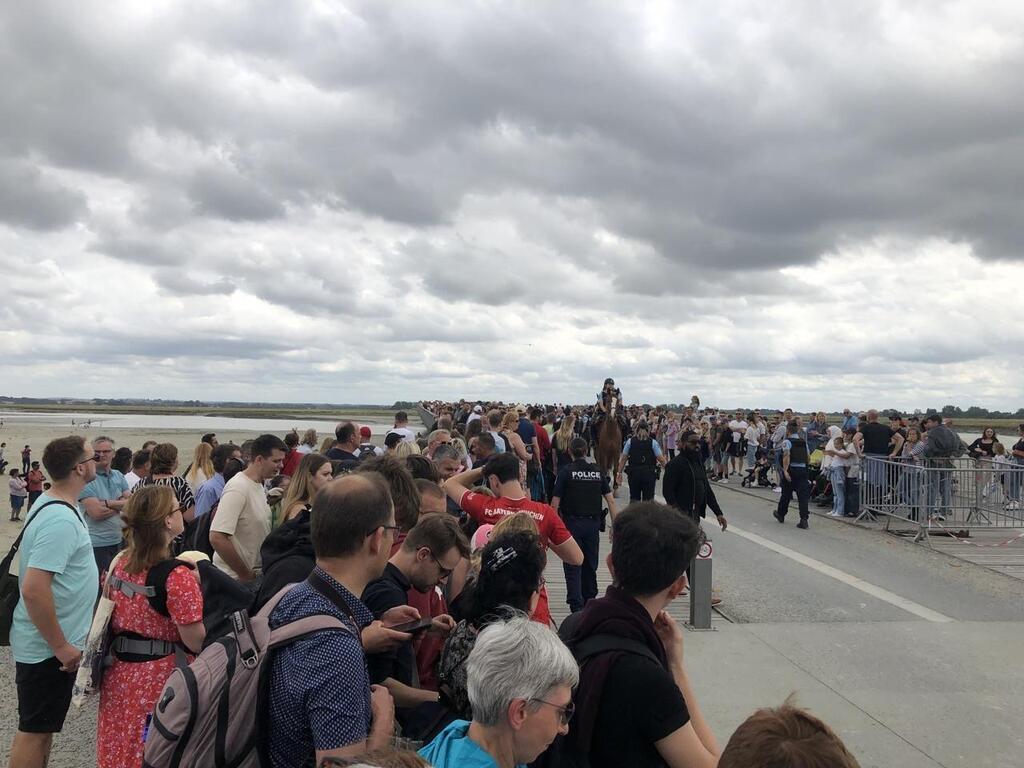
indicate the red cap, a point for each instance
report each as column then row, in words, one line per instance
column 364, row 432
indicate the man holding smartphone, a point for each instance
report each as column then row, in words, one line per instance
column 433, row 548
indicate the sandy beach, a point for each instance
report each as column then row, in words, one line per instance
column 36, row 430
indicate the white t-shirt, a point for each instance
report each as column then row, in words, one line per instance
column 407, row 434
column 738, row 428
column 244, row 515
column 132, row 480
column 753, row 435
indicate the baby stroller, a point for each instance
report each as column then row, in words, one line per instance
column 757, row 476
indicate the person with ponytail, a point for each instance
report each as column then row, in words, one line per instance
column 146, row 640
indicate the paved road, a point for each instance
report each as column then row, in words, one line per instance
column 913, row 656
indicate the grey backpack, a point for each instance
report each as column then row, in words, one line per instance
column 208, row 712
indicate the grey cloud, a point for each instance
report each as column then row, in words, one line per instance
column 29, row 198
column 230, row 195
column 149, row 251
column 176, row 282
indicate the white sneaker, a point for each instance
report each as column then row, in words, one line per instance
column 776, row 489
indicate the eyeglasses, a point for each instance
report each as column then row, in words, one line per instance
column 445, row 572
column 564, row 713
column 394, row 528
column 94, row 457
column 176, row 509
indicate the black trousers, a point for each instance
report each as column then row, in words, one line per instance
column 799, row 485
column 581, row 580
column 641, row 484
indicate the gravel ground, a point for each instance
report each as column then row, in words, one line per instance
column 74, row 747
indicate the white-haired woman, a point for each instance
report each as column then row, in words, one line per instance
column 520, row 679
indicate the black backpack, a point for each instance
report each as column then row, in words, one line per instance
column 222, row 595
column 564, row 752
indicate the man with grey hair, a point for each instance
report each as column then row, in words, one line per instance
column 103, row 499
column 436, row 439
column 520, row 679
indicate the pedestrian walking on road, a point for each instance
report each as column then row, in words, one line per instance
column 794, row 475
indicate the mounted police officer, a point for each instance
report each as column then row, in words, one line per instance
column 579, row 490
column 604, row 406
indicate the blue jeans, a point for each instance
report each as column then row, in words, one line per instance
column 939, row 490
column 581, row 580
column 838, row 477
column 874, row 469
column 751, row 455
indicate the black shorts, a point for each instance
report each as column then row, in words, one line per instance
column 44, row 695
column 736, row 449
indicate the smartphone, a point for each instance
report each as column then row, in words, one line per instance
column 412, row 627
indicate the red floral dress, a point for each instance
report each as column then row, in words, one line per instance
column 130, row 689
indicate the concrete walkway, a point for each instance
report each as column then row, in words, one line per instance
column 912, row 656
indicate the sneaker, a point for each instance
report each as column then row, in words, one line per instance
column 778, row 517
column 833, row 513
column 725, row 479
column 776, row 489
column 803, row 524
column 715, row 600
column 939, row 516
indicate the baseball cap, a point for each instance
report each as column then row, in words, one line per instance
column 364, row 432
column 392, row 439
column 478, row 409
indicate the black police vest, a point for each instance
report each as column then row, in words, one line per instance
column 583, row 491
column 641, row 453
column 797, row 451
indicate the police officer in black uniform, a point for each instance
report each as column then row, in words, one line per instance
column 579, row 490
column 640, row 456
column 794, row 475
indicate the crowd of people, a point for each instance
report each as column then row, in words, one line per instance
column 429, row 551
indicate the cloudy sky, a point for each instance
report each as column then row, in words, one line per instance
column 795, row 203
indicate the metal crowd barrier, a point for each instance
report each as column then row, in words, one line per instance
column 954, row 493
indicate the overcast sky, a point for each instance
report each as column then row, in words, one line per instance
column 779, row 204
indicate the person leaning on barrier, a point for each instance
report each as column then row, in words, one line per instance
column 520, row 681
column 785, row 737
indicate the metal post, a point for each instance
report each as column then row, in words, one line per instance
column 700, row 593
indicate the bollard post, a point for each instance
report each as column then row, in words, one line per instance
column 700, row 590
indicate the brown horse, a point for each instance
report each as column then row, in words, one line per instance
column 609, row 442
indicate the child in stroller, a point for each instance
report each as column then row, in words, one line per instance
column 757, row 475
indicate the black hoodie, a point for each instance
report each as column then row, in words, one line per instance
column 686, row 485
column 287, row 556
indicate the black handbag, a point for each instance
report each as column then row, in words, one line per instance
column 9, row 591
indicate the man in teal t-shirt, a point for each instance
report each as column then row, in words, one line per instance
column 103, row 498
column 58, row 579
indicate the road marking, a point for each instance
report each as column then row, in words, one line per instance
column 868, row 588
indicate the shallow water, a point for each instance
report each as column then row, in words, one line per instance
column 163, row 422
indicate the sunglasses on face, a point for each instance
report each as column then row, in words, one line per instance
column 94, row 457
